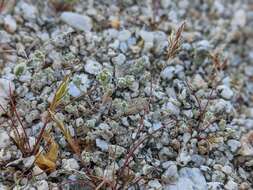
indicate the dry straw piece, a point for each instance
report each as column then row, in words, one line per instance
column 175, row 41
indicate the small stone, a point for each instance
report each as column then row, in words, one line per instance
column 195, row 175
column 33, row 115
column 77, row 21
column 171, row 173
column 38, row 173
column 244, row 186
column 4, row 37
column 79, row 122
column 148, row 38
column 70, row 164
column 225, row 92
column 120, row 59
column 4, row 139
column 29, row 161
column 168, row 73
column 233, row 145
column 198, row 82
column 104, row 126
column 247, row 144
column 60, row 39
column 124, row 35
column 10, row 24
column 28, row 10
column 218, row 176
column 203, row 146
column 166, row 153
column 42, row 185
column 5, row 155
column 198, row 160
column 78, row 85
column 147, row 169
column 222, row 106
column 171, row 108
column 179, row 69
column 93, row 67
column 160, row 42
column 3, row 187
column 203, row 45
column 249, row 70
column 239, row 19
column 242, row 173
column 103, row 145
column 231, row 185
column 91, row 123
column 73, row 90
column 227, row 170
column 165, row 3
column 183, row 158
column 156, row 126
column 186, row 137
column 214, row 186
column 116, row 151
column 109, row 172
column 155, row 184
column 189, row 178
column 188, row 113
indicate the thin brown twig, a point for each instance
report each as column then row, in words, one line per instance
column 134, row 147
column 2, row 5
column 194, row 94
column 39, row 139
column 140, row 128
column 14, row 128
column 13, row 107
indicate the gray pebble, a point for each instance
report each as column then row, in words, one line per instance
column 77, row 21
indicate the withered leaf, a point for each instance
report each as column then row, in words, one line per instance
column 47, row 161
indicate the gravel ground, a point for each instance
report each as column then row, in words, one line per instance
column 145, row 94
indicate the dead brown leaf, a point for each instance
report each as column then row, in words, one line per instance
column 47, row 161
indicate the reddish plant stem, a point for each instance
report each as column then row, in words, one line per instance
column 208, row 101
column 194, row 94
column 2, row 5
column 13, row 107
column 201, row 117
column 39, row 139
column 132, row 150
column 14, row 127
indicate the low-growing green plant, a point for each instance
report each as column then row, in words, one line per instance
column 46, row 161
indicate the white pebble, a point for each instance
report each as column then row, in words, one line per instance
column 168, row 73
column 233, row 145
column 225, row 92
column 77, row 21
column 93, row 67
column 103, row 145
column 155, row 184
column 70, row 164
column 10, row 24
column 239, row 19
column 42, row 185
column 124, row 35
column 4, row 139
